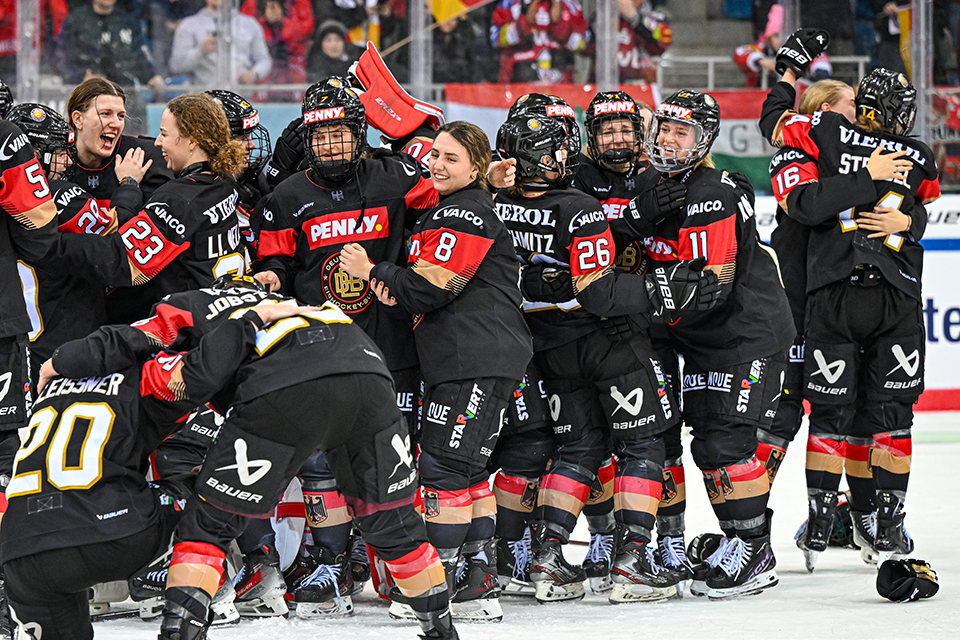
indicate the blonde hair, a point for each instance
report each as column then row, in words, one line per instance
column 829, row 91
column 203, row 120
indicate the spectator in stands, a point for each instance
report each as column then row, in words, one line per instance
column 758, row 58
column 100, row 40
column 538, row 39
column 287, row 25
column 887, row 22
column 195, row 48
column 643, row 33
column 329, row 53
column 836, row 17
column 163, row 16
column 53, row 14
column 454, row 56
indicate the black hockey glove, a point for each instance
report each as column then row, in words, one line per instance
column 906, row 580
column 800, row 49
column 746, row 186
column 543, row 282
column 681, row 287
column 287, row 154
column 617, row 328
column 653, row 206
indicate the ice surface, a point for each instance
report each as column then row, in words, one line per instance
column 839, row 600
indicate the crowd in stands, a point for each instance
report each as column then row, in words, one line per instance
column 154, row 43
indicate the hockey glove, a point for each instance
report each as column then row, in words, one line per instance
column 906, row 580
column 617, row 328
column 653, row 206
column 800, row 49
column 681, row 287
column 543, row 282
column 287, row 154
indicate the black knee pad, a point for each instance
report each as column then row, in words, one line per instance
column 587, row 453
column 875, row 416
column 446, row 474
column 393, row 533
column 673, row 441
column 376, row 469
column 203, row 522
column 316, row 469
column 647, row 451
column 722, row 442
column 523, row 454
column 788, row 420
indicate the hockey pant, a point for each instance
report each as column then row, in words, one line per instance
column 266, row 441
column 15, row 399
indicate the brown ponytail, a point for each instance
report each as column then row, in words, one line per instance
column 203, row 120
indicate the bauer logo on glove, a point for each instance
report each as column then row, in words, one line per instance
column 906, row 580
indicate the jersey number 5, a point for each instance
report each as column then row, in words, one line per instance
column 97, row 418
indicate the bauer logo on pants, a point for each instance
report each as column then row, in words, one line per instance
column 243, row 465
column 832, row 371
column 402, row 447
column 5, row 384
column 632, row 403
column 554, row 403
column 909, row 364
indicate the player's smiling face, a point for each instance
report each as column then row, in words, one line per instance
column 175, row 147
column 99, row 129
column 332, row 143
column 450, row 165
column 677, row 137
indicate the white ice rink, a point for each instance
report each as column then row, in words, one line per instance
column 839, row 600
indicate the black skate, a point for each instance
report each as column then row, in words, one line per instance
column 146, row 588
column 893, row 540
column 323, row 593
column 864, row 534
column 674, row 556
column 259, row 585
column 747, row 568
column 437, row 625
column 556, row 579
column 704, row 553
column 637, row 576
column 477, row 589
column 400, row 608
column 597, row 562
column 842, row 534
column 359, row 563
column 513, row 565
column 814, row 534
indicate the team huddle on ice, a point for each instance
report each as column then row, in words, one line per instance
column 456, row 348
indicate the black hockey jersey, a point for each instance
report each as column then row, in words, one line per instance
column 80, row 476
column 752, row 319
column 462, row 288
column 303, row 225
column 28, row 226
column 65, row 304
column 102, row 183
column 615, row 191
column 568, row 227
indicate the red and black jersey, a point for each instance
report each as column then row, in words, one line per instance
column 568, row 227
column 615, row 191
column 462, row 288
column 305, row 222
column 64, row 303
column 808, row 187
column 80, row 477
column 102, row 183
column 752, row 319
column 28, row 227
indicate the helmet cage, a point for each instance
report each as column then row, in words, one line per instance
column 6, row 99
column 537, row 144
column 245, row 127
column 607, row 107
column 327, row 104
column 691, row 108
column 48, row 133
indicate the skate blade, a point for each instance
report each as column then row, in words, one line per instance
column 263, row 607
column 399, row 611
column 699, row 588
column 151, row 608
column 224, row 613
column 480, row 610
column 623, row 593
column 810, row 559
column 601, row 586
column 869, row 556
column 514, row 587
column 548, row 591
column 751, row 587
column 332, row 609
column 99, row 608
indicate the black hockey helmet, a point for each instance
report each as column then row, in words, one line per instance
column 552, row 107
column 245, row 126
column 236, row 281
column 613, row 105
column 6, row 99
column 48, row 132
column 538, row 144
column 888, row 98
column 327, row 103
column 693, row 108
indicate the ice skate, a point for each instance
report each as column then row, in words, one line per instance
column 638, row 577
column 477, row 589
column 223, row 609
column 814, row 534
column 146, row 588
column 324, row 592
column 513, row 565
column 864, row 534
column 359, row 563
column 674, row 557
column 747, row 568
column 259, row 585
column 704, row 553
column 556, row 579
column 437, row 625
column 892, row 539
column 597, row 562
